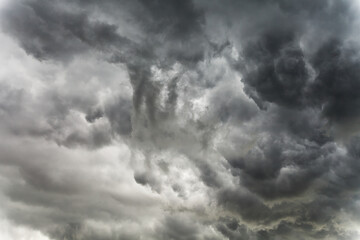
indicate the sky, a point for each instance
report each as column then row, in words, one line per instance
column 179, row 120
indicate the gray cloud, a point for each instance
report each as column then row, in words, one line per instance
column 180, row 119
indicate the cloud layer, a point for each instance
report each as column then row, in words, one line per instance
column 180, row 119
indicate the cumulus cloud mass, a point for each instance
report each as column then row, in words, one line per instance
column 180, row 120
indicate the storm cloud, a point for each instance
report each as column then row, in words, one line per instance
column 180, row 119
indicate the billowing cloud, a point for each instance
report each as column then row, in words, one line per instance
column 180, row 119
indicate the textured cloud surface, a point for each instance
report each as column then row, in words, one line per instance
column 180, row 119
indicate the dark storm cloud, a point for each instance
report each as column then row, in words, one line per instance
column 276, row 167
column 312, row 80
column 59, row 32
column 280, row 74
column 336, row 84
column 280, row 170
column 287, row 65
column 231, row 130
column 48, row 32
column 175, row 227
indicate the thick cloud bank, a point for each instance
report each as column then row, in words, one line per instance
column 180, row 119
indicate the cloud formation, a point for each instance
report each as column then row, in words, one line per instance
column 175, row 119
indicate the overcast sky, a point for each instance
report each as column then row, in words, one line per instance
column 179, row 119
